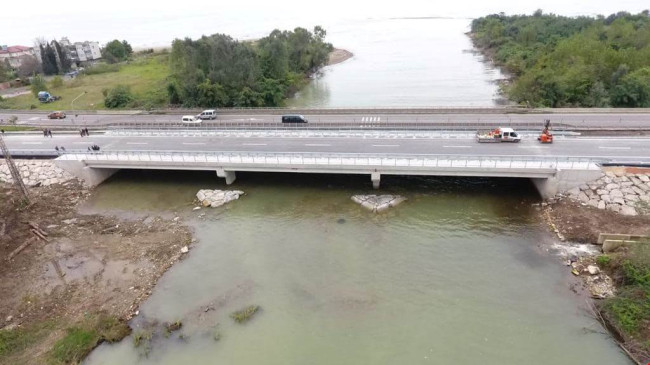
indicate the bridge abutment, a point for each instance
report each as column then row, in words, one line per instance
column 88, row 175
column 564, row 180
column 228, row 175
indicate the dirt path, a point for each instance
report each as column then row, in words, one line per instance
column 88, row 264
column 338, row 56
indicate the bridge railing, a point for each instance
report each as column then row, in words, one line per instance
column 284, row 159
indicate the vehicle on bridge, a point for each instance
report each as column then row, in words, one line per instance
column 546, row 136
column 293, row 119
column 190, row 119
column 56, row 115
column 207, row 114
column 498, row 135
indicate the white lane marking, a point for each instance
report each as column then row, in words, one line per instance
column 385, row 145
column 32, row 143
column 34, row 118
column 82, row 142
column 317, row 144
column 253, row 144
column 615, row 148
column 137, row 143
column 457, row 146
column 191, row 143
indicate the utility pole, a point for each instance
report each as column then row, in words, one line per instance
column 15, row 174
column 72, row 103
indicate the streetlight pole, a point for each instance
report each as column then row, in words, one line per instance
column 75, row 99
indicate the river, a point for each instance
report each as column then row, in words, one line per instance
column 403, row 62
column 458, row 274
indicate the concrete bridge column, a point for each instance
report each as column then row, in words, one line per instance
column 375, row 177
column 564, row 180
column 229, row 175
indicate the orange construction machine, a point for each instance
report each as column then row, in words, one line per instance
column 546, row 136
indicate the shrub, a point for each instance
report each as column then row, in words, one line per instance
column 245, row 314
column 56, row 82
column 603, row 260
column 38, row 85
column 118, row 97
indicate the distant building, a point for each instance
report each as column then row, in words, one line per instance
column 81, row 51
column 15, row 55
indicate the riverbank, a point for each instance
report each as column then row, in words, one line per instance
column 69, row 280
column 339, row 55
column 618, row 281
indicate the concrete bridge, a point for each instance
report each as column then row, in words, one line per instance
column 549, row 174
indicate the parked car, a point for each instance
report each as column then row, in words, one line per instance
column 190, row 119
column 293, row 119
column 207, row 114
column 56, row 115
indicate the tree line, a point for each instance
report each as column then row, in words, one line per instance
column 559, row 61
column 219, row 71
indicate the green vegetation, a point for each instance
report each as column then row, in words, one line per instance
column 117, row 97
column 56, row 82
column 603, row 260
column 16, row 128
column 16, row 340
column 218, row 71
column 560, row 61
column 84, row 337
column 245, row 314
column 629, row 311
column 116, row 51
column 38, row 85
column 145, row 76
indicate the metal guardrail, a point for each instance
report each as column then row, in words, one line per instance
column 337, row 126
column 284, row 159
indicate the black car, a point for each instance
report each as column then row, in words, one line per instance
column 293, row 119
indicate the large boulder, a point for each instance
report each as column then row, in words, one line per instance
column 378, row 203
column 217, row 198
column 627, row 210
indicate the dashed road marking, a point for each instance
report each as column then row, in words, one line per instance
column 32, row 142
column 253, row 144
column 193, row 143
column 317, row 144
column 457, row 146
column 137, row 143
column 615, row 148
column 385, row 145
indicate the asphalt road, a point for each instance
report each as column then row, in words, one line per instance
column 581, row 120
column 635, row 149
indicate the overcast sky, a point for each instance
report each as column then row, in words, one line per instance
column 156, row 23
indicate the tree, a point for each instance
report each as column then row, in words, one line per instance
column 4, row 71
column 64, row 61
column 116, row 51
column 38, row 85
column 49, row 60
column 634, row 90
column 29, row 66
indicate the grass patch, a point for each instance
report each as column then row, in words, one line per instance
column 245, row 314
column 82, row 338
column 16, row 340
column 16, row 128
column 629, row 311
column 603, row 260
column 146, row 77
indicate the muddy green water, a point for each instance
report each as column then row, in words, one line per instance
column 458, row 274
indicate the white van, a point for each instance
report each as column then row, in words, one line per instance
column 190, row 119
column 208, row 114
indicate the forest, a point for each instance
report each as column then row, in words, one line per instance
column 558, row 61
column 219, row 71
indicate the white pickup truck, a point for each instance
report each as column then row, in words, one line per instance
column 498, row 135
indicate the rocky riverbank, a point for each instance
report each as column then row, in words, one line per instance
column 618, row 281
column 378, row 203
column 338, row 56
column 620, row 191
column 35, row 172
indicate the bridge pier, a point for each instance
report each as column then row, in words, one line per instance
column 228, row 175
column 375, row 177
